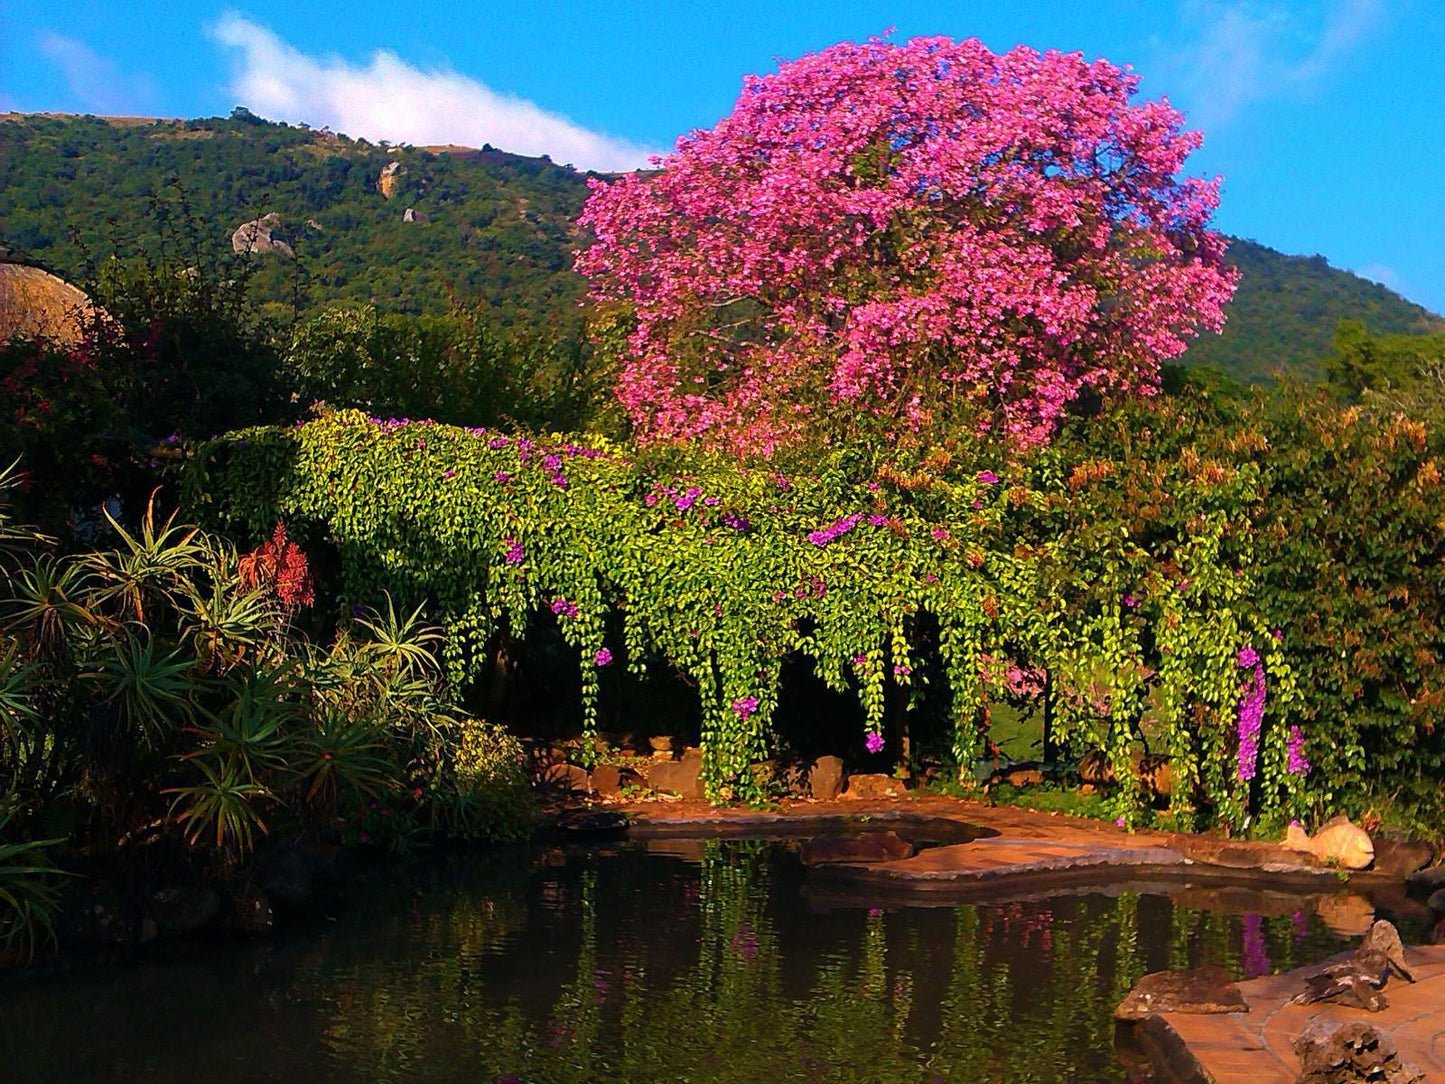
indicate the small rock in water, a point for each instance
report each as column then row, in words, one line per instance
column 1199, row 990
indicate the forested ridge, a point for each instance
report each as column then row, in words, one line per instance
column 485, row 226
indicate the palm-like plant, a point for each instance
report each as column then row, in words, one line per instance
column 152, row 566
column 29, row 895
column 224, row 802
column 154, row 691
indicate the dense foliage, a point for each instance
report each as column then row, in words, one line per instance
column 164, row 693
column 913, row 231
column 958, row 569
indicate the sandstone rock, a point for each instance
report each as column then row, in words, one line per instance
column 256, row 238
column 389, row 182
column 875, row 786
column 1342, row 844
column 1297, row 839
column 1201, row 990
column 661, row 746
column 411, row 214
column 568, row 777
column 1017, row 777
column 1400, row 858
column 867, row 847
column 37, row 304
column 183, row 909
column 1436, row 902
column 609, row 779
column 681, row 777
column 1094, row 767
column 1332, row 1051
column 825, row 778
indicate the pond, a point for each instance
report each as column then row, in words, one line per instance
column 677, row 960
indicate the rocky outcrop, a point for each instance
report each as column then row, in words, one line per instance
column 875, row 786
column 1200, row 990
column 389, row 183
column 1334, row 1051
column 411, row 214
column 681, row 777
column 257, row 237
column 34, row 304
column 608, row 780
column 824, row 779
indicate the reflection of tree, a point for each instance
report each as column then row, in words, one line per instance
column 737, row 986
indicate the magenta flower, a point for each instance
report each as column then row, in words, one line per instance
column 987, row 477
column 1298, row 763
column 835, row 530
column 1251, row 713
column 515, row 553
column 603, row 657
column 502, row 476
column 874, row 742
column 745, row 707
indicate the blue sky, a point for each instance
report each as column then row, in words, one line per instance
column 1326, row 117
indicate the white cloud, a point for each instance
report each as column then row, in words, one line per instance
column 387, row 98
column 96, row 82
column 1244, row 52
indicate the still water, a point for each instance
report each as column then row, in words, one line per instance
column 719, row 962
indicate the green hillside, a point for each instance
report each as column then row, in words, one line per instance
column 1284, row 313
column 484, row 226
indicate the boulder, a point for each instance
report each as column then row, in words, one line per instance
column 1427, row 881
column 411, row 214
column 609, row 779
column 256, row 238
column 661, row 746
column 825, row 778
column 389, row 181
column 875, row 785
column 1297, row 839
column 1332, row 1051
column 183, row 909
column 1401, row 857
column 1343, row 844
column 567, row 777
column 1200, row 990
column 867, row 847
column 1436, row 902
column 681, row 777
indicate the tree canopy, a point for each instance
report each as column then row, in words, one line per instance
column 906, row 229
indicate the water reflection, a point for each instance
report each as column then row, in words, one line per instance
column 707, row 965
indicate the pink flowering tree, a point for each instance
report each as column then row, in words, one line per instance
column 924, row 232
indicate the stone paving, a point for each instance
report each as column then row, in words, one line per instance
column 1257, row 1047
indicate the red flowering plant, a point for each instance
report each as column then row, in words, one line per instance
column 905, row 232
column 279, row 564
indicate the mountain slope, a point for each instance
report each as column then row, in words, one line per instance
column 483, row 225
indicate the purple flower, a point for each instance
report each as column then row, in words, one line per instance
column 860, row 660
column 562, row 608
column 553, row 463
column 987, row 477
column 746, row 706
column 737, row 522
column 876, row 520
column 1130, row 601
column 941, row 535
column 1251, row 714
column 449, row 474
column 515, row 553
column 603, row 657
column 1298, row 764
column 502, row 476
column 1120, row 822
column 497, row 443
column 874, row 742
column 685, row 502
column 835, row 530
